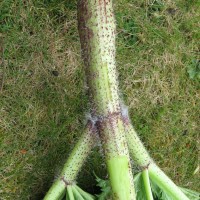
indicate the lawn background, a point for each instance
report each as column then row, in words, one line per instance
column 42, row 92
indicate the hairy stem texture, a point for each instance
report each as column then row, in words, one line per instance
column 97, row 36
column 142, row 158
column 74, row 163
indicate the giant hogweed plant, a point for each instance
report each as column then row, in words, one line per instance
column 109, row 123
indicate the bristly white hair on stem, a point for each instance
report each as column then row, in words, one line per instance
column 89, row 117
column 124, row 110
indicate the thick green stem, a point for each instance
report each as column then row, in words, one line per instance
column 145, row 176
column 97, row 35
column 136, row 148
column 142, row 158
column 74, row 163
column 165, row 183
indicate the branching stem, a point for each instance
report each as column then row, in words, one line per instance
column 97, row 30
column 141, row 157
column 74, row 163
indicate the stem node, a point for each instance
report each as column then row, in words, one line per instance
column 66, row 182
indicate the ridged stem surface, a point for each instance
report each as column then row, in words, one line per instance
column 74, row 163
column 147, row 185
column 97, row 36
column 141, row 157
column 165, row 183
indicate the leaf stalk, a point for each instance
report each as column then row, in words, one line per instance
column 145, row 176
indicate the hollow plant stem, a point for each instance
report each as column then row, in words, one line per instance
column 142, row 158
column 74, row 163
column 145, row 176
column 97, row 35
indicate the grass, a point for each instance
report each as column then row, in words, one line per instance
column 42, row 94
